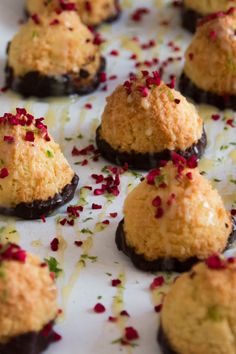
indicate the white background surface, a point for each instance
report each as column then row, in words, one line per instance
column 83, row 331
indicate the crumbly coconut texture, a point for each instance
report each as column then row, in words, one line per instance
column 54, row 49
column 210, row 59
column 203, row 306
column 195, row 224
column 91, row 14
column 28, row 297
column 205, row 7
column 37, row 170
column 150, row 124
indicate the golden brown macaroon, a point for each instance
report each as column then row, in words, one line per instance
column 194, row 10
column 28, row 306
column 145, row 120
column 35, row 177
column 54, row 55
column 202, row 304
column 92, row 13
column 210, row 66
column 173, row 219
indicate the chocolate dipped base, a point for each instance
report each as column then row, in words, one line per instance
column 116, row 16
column 146, row 161
column 189, row 19
column 35, row 84
column 29, row 343
column 164, row 342
column 161, row 264
column 188, row 88
column 39, row 208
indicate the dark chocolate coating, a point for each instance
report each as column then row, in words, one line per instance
column 164, row 342
column 188, row 88
column 29, row 343
column 146, row 161
column 35, row 84
column 160, row 264
column 38, row 208
column 190, row 19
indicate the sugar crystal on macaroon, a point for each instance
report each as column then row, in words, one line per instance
column 198, row 313
column 92, row 13
column 28, row 306
column 35, row 177
column 210, row 66
column 145, row 120
column 173, row 219
column 54, row 55
column 194, row 10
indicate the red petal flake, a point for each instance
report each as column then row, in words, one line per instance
column 215, row 262
column 131, row 334
column 54, row 244
column 29, row 136
column 4, row 172
column 115, row 282
column 157, row 282
column 99, row 308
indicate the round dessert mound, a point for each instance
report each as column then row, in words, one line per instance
column 39, row 208
column 145, row 120
column 61, row 59
column 35, row 84
column 173, row 219
column 26, row 281
column 146, row 161
column 35, row 178
column 209, row 70
column 92, row 14
column 194, row 10
column 208, row 291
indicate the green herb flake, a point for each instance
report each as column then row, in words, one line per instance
column 49, row 153
column 53, row 266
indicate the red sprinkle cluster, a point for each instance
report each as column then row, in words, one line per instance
column 73, row 212
column 150, row 80
column 215, row 15
column 217, row 263
column 12, row 252
column 25, row 119
column 156, row 177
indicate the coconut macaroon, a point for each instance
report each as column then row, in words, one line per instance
column 145, row 120
column 202, row 304
column 210, row 66
column 35, row 177
column 54, row 55
column 28, row 306
column 92, row 13
column 194, row 10
column 173, row 219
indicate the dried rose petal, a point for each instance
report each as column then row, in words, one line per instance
column 99, row 308
column 215, row 262
column 4, row 172
column 157, row 282
column 115, row 282
column 54, row 244
column 131, row 334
